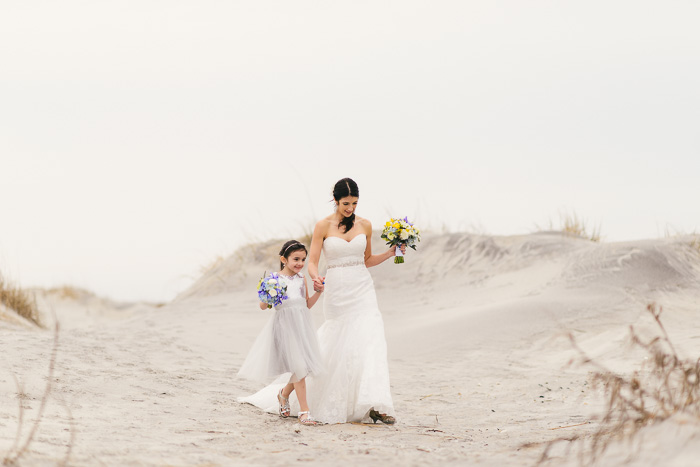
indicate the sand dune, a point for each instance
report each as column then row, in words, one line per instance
column 479, row 360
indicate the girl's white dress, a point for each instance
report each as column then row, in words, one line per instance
column 352, row 341
column 287, row 345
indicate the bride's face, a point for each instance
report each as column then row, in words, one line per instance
column 347, row 205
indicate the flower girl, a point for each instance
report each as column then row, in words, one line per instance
column 288, row 343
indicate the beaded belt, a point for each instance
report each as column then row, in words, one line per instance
column 351, row 262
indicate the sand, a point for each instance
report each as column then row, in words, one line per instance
column 479, row 358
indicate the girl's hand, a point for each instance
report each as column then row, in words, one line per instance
column 319, row 283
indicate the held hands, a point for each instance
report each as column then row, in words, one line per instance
column 319, row 284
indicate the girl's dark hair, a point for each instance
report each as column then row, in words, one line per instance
column 290, row 247
column 346, row 187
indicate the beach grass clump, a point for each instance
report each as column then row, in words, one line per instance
column 19, row 300
column 574, row 226
column 665, row 386
column 571, row 225
column 67, row 291
column 213, row 264
column 695, row 243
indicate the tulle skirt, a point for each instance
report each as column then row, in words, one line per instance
column 287, row 345
column 353, row 346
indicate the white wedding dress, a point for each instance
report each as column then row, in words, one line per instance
column 352, row 342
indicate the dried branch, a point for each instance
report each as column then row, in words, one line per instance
column 670, row 385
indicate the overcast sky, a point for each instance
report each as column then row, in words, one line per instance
column 141, row 139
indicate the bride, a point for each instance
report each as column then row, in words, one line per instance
column 355, row 386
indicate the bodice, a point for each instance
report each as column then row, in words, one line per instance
column 296, row 291
column 340, row 252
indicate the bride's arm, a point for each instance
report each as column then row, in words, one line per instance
column 315, row 249
column 311, row 301
column 370, row 259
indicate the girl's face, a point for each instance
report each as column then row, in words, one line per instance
column 347, row 205
column 295, row 262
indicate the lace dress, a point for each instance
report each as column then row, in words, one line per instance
column 352, row 342
column 287, row 345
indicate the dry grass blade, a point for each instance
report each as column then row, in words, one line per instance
column 16, row 453
column 666, row 386
column 574, row 226
column 19, row 300
column 695, row 243
column 570, row 224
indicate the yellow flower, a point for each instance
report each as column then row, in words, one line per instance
column 396, row 225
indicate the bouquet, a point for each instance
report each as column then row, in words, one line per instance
column 398, row 232
column 272, row 290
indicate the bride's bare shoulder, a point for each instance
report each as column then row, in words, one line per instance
column 363, row 223
column 323, row 225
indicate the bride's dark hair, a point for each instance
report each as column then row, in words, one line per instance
column 346, row 187
column 290, row 247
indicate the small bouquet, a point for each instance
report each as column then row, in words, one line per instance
column 272, row 290
column 400, row 231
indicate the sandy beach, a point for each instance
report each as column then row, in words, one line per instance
column 482, row 368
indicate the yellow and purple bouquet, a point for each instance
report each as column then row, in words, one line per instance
column 272, row 290
column 398, row 232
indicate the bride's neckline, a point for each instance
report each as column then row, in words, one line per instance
column 341, row 238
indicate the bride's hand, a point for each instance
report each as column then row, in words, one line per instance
column 393, row 249
column 319, row 283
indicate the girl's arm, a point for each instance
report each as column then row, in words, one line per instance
column 311, row 301
column 373, row 260
column 315, row 252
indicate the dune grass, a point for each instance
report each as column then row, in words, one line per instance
column 19, row 300
column 67, row 291
column 695, row 243
column 667, row 385
column 570, row 224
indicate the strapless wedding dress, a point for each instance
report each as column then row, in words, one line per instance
column 352, row 343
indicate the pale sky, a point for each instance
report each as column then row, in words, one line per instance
column 141, row 139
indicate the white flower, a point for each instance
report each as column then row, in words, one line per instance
column 404, row 235
column 273, row 292
column 272, row 282
column 390, row 237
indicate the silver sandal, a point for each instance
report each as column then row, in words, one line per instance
column 308, row 420
column 285, row 410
